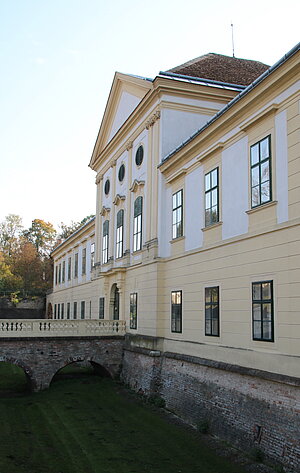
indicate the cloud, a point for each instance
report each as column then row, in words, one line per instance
column 40, row 60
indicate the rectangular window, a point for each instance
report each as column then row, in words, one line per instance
column 83, row 263
column 176, row 311
column 92, row 255
column 55, row 311
column 59, row 273
column 133, row 310
column 212, row 311
column 56, row 274
column 177, row 215
column 69, row 268
column 76, row 266
column 63, row 271
column 82, row 310
column 137, row 223
column 75, row 310
column 68, row 310
column 263, row 311
column 105, row 242
column 62, row 310
column 260, row 157
column 120, row 231
column 101, row 308
column 212, row 197
column 58, row 311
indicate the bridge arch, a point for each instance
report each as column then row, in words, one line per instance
column 26, row 369
column 99, row 366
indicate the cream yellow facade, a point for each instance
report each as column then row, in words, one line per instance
column 165, row 137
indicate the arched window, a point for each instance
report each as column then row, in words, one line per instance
column 120, row 233
column 137, row 224
column 105, row 237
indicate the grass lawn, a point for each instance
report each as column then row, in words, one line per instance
column 88, row 425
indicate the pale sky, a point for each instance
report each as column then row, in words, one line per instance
column 58, row 59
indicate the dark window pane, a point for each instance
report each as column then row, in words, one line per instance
column 254, row 154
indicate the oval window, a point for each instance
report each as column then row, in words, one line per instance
column 106, row 187
column 121, row 172
column 139, row 156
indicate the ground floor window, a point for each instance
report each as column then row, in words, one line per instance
column 62, row 310
column 133, row 310
column 75, row 310
column 58, row 311
column 55, row 311
column 263, row 311
column 176, row 311
column 212, row 312
column 82, row 310
column 101, row 308
column 68, row 310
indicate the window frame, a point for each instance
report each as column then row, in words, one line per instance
column 76, row 265
column 262, row 302
column 175, row 211
column 68, row 310
column 63, row 272
column 105, row 241
column 137, row 225
column 82, row 310
column 210, row 192
column 101, row 307
column 209, row 306
column 133, row 313
column 69, row 268
column 83, row 262
column 75, row 310
column 174, row 315
column 258, row 165
column 120, row 235
column 92, row 255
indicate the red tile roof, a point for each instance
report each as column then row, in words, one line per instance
column 222, row 68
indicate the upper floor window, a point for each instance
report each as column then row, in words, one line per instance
column 69, row 267
column 263, row 311
column 176, row 311
column 137, row 224
column 212, row 312
column 63, row 276
column 260, row 156
column 177, row 215
column 56, row 274
column 107, row 187
column 76, row 266
column 68, row 310
column 82, row 310
column 59, row 273
column 133, row 310
column 139, row 155
column 62, row 310
column 105, row 237
column 120, row 231
column 121, row 173
column 212, row 197
column 75, row 310
column 83, row 262
column 92, row 255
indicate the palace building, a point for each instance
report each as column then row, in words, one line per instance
column 196, row 244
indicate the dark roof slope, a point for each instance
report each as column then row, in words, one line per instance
column 222, row 68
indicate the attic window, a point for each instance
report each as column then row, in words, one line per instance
column 121, row 174
column 106, row 187
column 139, row 156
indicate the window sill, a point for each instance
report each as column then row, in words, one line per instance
column 177, row 239
column 262, row 206
column 213, row 225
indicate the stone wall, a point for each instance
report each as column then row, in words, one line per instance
column 249, row 409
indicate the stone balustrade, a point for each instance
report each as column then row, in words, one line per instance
column 61, row 328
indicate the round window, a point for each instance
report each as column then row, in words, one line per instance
column 121, row 172
column 139, row 156
column 107, row 186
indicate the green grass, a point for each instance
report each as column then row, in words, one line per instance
column 91, row 425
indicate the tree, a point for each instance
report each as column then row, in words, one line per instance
column 67, row 230
column 28, row 266
column 10, row 230
column 8, row 281
column 42, row 235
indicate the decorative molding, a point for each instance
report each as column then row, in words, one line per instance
column 113, row 163
column 262, row 206
column 136, row 184
column 99, row 178
column 129, row 145
column 104, row 211
column 153, row 119
column 262, row 114
column 213, row 149
column 118, row 199
column 175, row 175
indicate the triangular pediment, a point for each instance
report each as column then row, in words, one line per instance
column 126, row 93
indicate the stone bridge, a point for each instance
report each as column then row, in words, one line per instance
column 41, row 348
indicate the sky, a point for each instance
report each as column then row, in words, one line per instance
column 57, row 63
